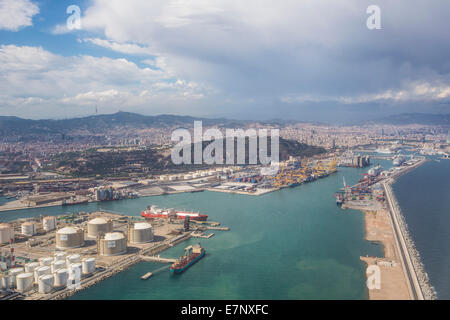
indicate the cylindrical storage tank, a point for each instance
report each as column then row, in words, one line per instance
column 61, row 277
column 49, row 223
column 141, row 232
column 46, row 261
column 60, row 256
column 6, row 233
column 24, row 282
column 45, row 283
column 28, row 228
column 56, row 265
column 99, row 225
column 74, row 258
column 13, row 273
column 88, row 265
column 30, row 267
column 112, row 244
column 74, row 270
column 4, row 282
column 41, row 271
column 69, row 237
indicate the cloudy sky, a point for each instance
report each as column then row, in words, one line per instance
column 243, row 59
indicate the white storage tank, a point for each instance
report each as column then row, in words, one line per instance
column 112, row 244
column 99, row 225
column 47, row 261
column 30, row 267
column 74, row 258
column 13, row 273
column 59, row 256
column 140, row 232
column 69, row 237
column 4, row 282
column 24, row 282
column 28, row 228
column 45, row 283
column 74, row 270
column 49, row 223
column 6, row 233
column 56, row 265
column 40, row 272
column 88, row 265
column 61, row 277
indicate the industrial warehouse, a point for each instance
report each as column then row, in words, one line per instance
column 52, row 257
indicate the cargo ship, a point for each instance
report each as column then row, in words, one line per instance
column 191, row 256
column 155, row 212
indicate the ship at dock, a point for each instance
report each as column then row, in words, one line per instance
column 191, row 256
column 155, row 212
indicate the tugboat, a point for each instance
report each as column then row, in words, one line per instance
column 191, row 256
column 339, row 200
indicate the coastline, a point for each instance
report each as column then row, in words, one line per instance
column 388, row 226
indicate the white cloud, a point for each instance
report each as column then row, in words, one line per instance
column 127, row 48
column 33, row 76
column 264, row 49
column 423, row 91
column 15, row 14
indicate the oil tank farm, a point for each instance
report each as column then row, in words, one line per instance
column 99, row 225
column 69, row 237
column 28, row 228
column 49, row 223
column 140, row 232
column 112, row 244
column 6, row 233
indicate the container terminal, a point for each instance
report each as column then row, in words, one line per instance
column 53, row 257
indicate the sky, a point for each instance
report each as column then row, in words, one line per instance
column 310, row 60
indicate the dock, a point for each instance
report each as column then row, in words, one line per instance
column 218, row 228
column 157, row 259
column 146, row 276
column 202, row 235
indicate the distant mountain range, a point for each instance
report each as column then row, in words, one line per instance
column 14, row 126
column 100, row 124
column 415, row 118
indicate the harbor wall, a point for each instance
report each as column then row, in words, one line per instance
column 420, row 279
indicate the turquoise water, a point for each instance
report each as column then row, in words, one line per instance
column 291, row 244
column 424, row 196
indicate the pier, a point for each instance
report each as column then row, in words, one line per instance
column 146, row 276
column 157, row 259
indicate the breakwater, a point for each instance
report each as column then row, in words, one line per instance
column 419, row 277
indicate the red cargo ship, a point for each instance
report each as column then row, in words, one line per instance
column 155, row 212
